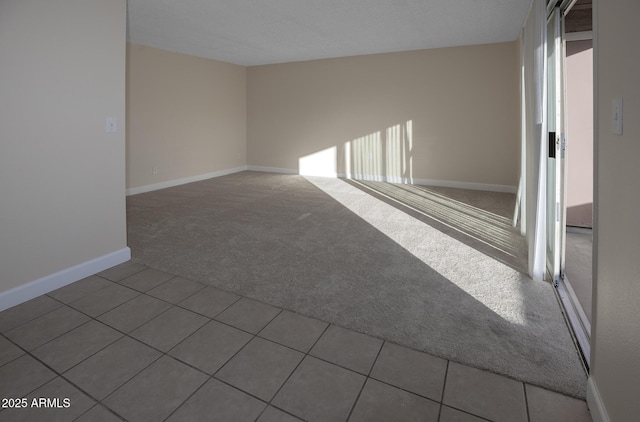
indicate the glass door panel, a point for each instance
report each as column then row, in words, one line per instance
column 555, row 159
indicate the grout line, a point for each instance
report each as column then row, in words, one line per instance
column 373, row 364
column 355, row 402
column 57, row 373
column 188, row 397
column 101, row 273
column 367, row 377
column 482, row 418
column 444, row 385
column 294, row 369
column 108, row 409
column 526, row 401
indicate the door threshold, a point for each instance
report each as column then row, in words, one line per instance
column 577, row 320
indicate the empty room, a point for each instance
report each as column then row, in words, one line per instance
column 311, row 211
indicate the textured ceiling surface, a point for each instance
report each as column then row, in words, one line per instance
column 255, row 32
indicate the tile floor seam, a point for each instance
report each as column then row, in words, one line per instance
column 117, row 306
column 95, row 399
column 212, row 377
column 402, row 389
column 187, row 399
column 139, row 271
column 60, row 375
column 179, row 304
column 46, row 366
column 373, row 364
column 16, row 345
column 163, row 354
column 204, row 286
column 504, row 376
column 102, row 405
column 60, row 335
column 367, row 378
column 101, row 402
column 148, row 290
column 116, row 388
column 91, row 355
column 283, row 411
column 108, row 310
column 329, row 362
column 124, row 334
column 34, row 318
column 186, row 338
column 242, row 329
column 253, row 336
column 290, row 374
column 155, row 317
column 182, row 361
column 297, row 366
column 466, row 412
column 165, row 301
column 281, row 310
column 80, row 297
column 294, row 349
column 355, row 402
column 526, row 401
column 75, row 328
column 444, row 385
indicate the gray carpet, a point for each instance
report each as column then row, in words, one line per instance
column 344, row 253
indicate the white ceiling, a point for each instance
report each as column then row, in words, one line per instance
column 255, row 32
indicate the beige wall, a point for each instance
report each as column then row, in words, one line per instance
column 442, row 114
column 579, row 74
column 615, row 365
column 186, row 116
column 62, row 183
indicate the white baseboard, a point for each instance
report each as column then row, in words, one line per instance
column 595, row 403
column 273, row 170
column 466, row 185
column 43, row 285
column 426, row 182
column 184, row 180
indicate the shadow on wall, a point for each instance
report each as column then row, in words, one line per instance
column 379, row 156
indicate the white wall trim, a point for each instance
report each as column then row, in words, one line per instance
column 43, row 285
column 184, row 180
column 272, row 170
column 466, row 185
column 595, row 403
column 425, row 182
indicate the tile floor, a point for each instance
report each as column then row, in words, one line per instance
column 136, row 344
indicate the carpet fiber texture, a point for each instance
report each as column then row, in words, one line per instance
column 352, row 254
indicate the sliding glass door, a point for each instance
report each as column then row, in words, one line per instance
column 556, row 176
column 556, row 141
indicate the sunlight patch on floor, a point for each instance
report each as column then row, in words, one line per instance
column 489, row 281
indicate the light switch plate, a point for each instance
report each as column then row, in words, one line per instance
column 616, row 116
column 111, row 124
